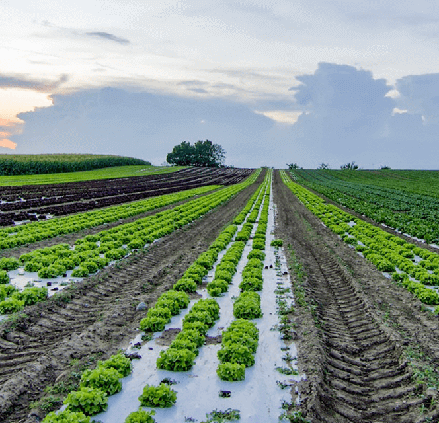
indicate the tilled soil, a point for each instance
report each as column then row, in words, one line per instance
column 354, row 329
column 98, row 316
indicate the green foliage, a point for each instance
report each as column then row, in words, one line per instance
column 4, row 277
column 80, row 272
column 231, row 371
column 184, row 344
column 256, row 254
column 105, row 379
column 11, row 305
column 160, row 311
column 6, row 290
column 141, row 416
column 61, row 163
column 153, row 324
column 90, row 401
column 186, row 285
column 31, row 295
column 276, row 243
column 66, row 416
column 161, row 396
column 118, row 362
column 247, row 306
column 9, row 263
column 236, row 353
column 191, row 335
column 202, row 153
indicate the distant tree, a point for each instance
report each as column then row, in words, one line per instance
column 349, row 166
column 323, row 166
column 385, row 167
column 292, row 166
column 202, row 153
column 206, row 153
column 181, row 155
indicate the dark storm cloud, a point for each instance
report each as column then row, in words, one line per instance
column 20, row 81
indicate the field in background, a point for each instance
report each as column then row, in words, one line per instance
column 89, row 175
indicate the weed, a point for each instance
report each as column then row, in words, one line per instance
column 217, row 416
column 287, row 371
column 49, row 403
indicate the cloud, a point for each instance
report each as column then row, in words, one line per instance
column 144, row 125
column 198, row 90
column 21, row 81
column 107, row 36
column 420, row 94
column 7, row 144
column 348, row 116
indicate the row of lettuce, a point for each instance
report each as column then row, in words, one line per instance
column 389, row 253
column 15, row 236
column 93, row 252
column 96, row 385
column 410, row 213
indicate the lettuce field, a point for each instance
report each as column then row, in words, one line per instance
column 215, row 295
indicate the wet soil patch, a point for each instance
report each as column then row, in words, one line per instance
column 167, row 336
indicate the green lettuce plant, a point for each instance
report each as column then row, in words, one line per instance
column 89, row 401
column 158, row 396
column 105, row 379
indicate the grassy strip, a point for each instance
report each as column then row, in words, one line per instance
column 87, row 175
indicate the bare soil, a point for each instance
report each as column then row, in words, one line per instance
column 97, row 317
column 353, row 329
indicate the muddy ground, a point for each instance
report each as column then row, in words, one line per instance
column 56, row 339
column 365, row 344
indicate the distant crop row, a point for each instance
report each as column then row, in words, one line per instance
column 26, row 234
column 387, row 252
column 414, row 214
column 60, row 163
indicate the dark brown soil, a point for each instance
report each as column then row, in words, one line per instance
column 353, row 329
column 98, row 316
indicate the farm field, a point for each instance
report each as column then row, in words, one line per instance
column 32, row 203
column 86, row 175
column 407, row 201
column 361, row 346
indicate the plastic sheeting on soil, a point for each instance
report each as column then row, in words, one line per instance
column 259, row 398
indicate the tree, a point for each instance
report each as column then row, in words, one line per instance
column 181, row 155
column 349, row 166
column 202, row 153
column 292, row 166
column 323, row 166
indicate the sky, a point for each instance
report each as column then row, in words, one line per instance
column 272, row 82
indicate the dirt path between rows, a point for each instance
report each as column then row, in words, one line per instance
column 359, row 333
column 98, row 316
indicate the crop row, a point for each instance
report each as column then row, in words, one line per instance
column 92, row 396
column 240, row 340
column 387, row 252
column 93, row 252
column 25, row 234
column 35, row 203
column 410, row 213
column 97, row 384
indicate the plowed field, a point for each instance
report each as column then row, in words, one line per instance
column 368, row 348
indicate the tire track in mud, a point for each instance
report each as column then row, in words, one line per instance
column 101, row 316
column 356, row 374
column 364, row 380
